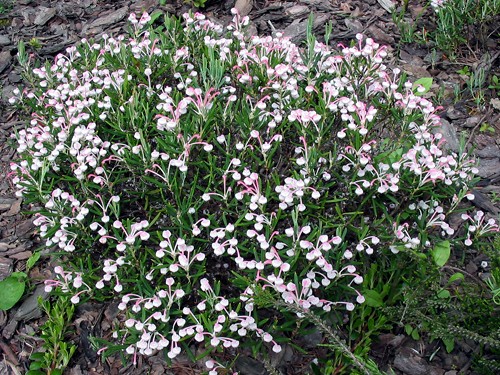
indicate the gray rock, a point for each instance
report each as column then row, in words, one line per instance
column 449, row 134
column 409, row 363
column 44, row 15
column 108, row 19
column 488, row 167
column 4, row 40
column 248, row 366
column 491, row 151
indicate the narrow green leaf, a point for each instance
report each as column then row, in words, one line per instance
column 32, row 260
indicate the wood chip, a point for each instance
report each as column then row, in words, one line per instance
column 23, row 255
column 14, row 208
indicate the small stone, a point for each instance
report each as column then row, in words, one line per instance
column 471, row 121
column 44, row 15
column 4, row 40
column 244, row 7
column 451, row 372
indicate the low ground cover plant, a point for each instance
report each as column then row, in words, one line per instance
column 223, row 187
column 454, row 27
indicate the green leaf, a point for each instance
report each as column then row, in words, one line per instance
column 11, row 290
column 38, row 356
column 425, row 82
column 449, row 344
column 36, row 365
column 373, row 298
column 35, row 372
column 415, row 335
column 32, row 260
column 408, row 329
column 441, row 253
column 456, row 276
column 443, row 293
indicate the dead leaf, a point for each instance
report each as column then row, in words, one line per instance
column 495, row 102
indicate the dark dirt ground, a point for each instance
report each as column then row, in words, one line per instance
column 57, row 24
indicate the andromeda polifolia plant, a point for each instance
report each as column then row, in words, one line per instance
column 187, row 166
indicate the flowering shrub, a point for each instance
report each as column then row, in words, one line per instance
column 184, row 169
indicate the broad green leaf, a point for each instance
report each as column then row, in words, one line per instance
column 443, row 293
column 373, row 298
column 425, row 82
column 441, row 253
column 449, row 344
column 415, row 335
column 11, row 290
column 408, row 329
